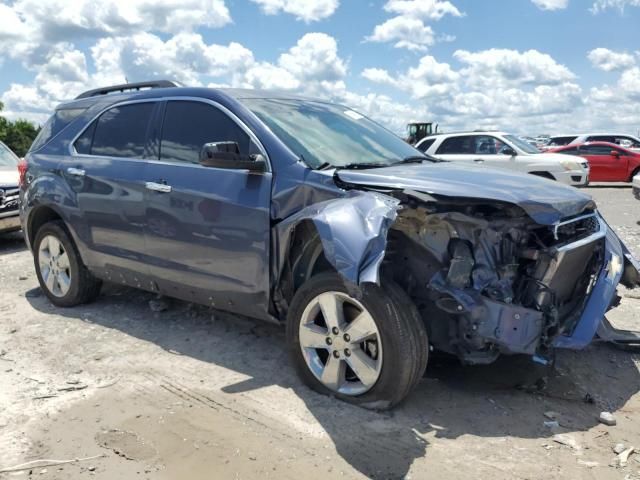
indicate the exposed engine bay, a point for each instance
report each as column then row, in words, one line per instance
column 488, row 280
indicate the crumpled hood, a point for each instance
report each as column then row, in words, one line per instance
column 545, row 201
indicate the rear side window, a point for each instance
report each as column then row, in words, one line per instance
column 458, row 145
column 561, row 141
column 424, row 146
column 570, row 151
column 596, row 150
column 56, row 123
column 119, row 132
column 189, row 125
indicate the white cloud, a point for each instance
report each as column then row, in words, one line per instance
column 493, row 88
column 408, row 29
column 311, row 66
column 184, row 57
column 423, row 9
column 34, row 26
column 502, row 67
column 608, row 60
column 306, row 10
column 406, row 32
column 601, row 5
column 551, row 4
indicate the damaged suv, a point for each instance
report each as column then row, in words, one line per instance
column 309, row 214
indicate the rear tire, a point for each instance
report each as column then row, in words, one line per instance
column 377, row 372
column 62, row 275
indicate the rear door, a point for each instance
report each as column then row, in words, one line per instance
column 207, row 230
column 106, row 172
column 460, row 148
column 606, row 167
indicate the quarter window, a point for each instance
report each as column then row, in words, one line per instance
column 570, row 151
column 119, row 132
column 188, row 126
column 560, row 141
column 424, row 146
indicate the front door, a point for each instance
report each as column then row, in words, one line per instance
column 605, row 165
column 488, row 152
column 208, row 229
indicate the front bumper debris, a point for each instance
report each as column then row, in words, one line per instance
column 619, row 267
column 608, row 333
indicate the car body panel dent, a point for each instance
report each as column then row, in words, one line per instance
column 353, row 230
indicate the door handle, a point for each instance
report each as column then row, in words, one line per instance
column 77, row 172
column 478, row 160
column 158, row 187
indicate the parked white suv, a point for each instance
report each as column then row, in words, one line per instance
column 502, row 150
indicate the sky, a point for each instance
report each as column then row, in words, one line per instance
column 526, row 66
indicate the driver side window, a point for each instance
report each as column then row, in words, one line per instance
column 486, row 145
column 188, row 125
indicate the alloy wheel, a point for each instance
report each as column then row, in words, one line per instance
column 340, row 343
column 54, row 266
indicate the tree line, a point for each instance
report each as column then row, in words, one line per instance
column 18, row 135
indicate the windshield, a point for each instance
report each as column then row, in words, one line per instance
column 7, row 158
column 326, row 134
column 520, row 144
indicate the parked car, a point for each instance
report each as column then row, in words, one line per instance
column 636, row 186
column 622, row 140
column 9, row 193
column 308, row 214
column 558, row 141
column 608, row 162
column 502, row 150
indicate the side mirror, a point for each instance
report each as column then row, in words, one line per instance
column 508, row 151
column 227, row 155
column 615, row 153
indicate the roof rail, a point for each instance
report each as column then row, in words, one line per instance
column 128, row 86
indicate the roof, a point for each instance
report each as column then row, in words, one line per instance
column 142, row 90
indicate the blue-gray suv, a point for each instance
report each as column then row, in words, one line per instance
column 309, row 214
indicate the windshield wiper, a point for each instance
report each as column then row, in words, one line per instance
column 357, row 166
column 412, row 159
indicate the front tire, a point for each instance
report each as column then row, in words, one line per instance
column 370, row 351
column 61, row 273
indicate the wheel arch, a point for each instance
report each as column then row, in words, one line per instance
column 38, row 217
column 346, row 234
column 543, row 174
column 636, row 171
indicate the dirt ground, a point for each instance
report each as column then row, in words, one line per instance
column 194, row 393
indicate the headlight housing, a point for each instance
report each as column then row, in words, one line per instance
column 571, row 165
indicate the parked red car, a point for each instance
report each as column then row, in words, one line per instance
column 609, row 162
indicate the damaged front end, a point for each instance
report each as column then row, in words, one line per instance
column 486, row 277
column 492, row 281
column 501, row 283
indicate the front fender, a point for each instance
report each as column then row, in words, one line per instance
column 353, row 230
